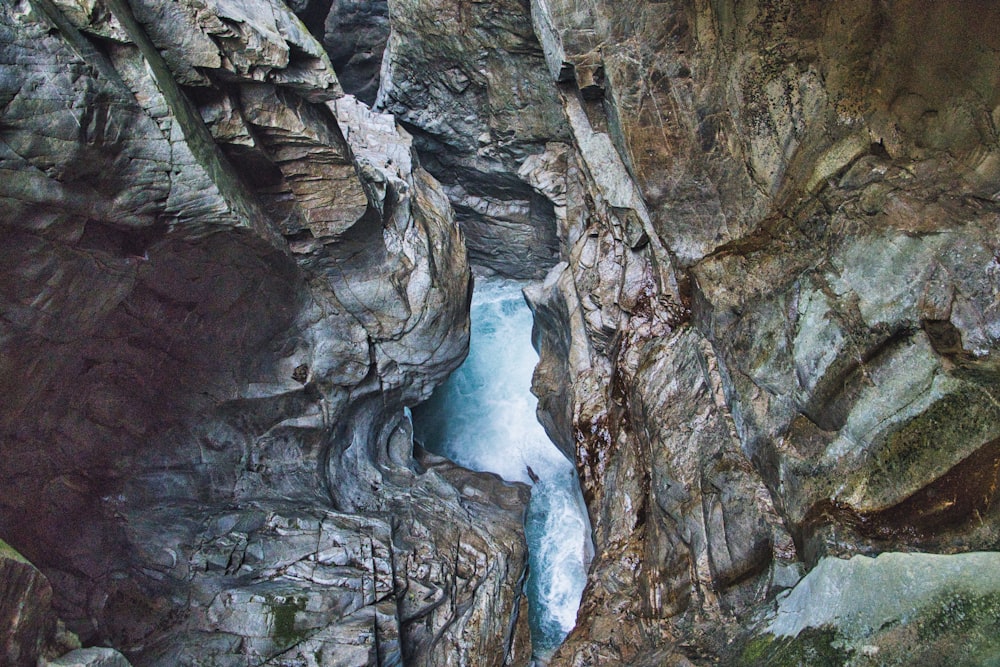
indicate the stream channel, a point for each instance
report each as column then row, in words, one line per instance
column 483, row 418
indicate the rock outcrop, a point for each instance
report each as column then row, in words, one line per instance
column 942, row 605
column 225, row 281
column 468, row 78
column 90, row 657
column 29, row 628
column 355, row 33
column 779, row 319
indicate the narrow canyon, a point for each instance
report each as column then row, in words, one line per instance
column 755, row 245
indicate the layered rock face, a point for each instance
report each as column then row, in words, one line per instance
column 225, row 280
column 469, row 79
column 354, row 34
column 780, row 323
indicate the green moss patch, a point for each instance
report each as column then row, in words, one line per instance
column 963, row 613
column 10, row 553
column 948, row 429
column 284, row 611
column 812, row 647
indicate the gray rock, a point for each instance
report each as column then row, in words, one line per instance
column 836, row 270
column 223, row 292
column 893, row 609
column 355, row 33
column 862, row 595
column 90, row 657
column 469, row 78
column 768, row 339
column 27, row 620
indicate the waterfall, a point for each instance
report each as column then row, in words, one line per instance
column 483, row 418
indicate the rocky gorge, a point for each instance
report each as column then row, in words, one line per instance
column 238, row 238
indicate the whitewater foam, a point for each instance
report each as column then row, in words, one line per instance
column 483, row 418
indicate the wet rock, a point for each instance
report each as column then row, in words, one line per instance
column 768, row 335
column 561, row 342
column 90, row 657
column 225, row 286
column 442, row 560
column 469, row 79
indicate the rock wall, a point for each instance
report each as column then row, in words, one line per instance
column 778, row 318
column 225, row 280
column 468, row 78
column 354, row 34
column 28, row 626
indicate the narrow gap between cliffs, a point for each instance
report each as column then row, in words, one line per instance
column 483, row 418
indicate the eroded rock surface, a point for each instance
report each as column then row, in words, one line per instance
column 469, row 79
column 839, row 613
column 225, row 281
column 90, row 657
column 768, row 329
column 355, row 33
column 782, row 290
column 29, row 628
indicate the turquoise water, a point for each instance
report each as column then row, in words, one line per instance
column 483, row 418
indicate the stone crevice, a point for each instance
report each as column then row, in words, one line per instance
column 765, row 234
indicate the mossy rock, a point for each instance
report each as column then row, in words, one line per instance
column 896, row 610
column 811, row 648
column 962, row 628
column 949, row 429
column 10, row 553
column 284, row 611
column 955, row 630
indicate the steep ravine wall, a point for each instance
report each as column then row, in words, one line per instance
column 469, row 80
column 780, row 325
column 224, row 281
column 768, row 327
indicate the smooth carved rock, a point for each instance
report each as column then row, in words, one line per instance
column 470, row 79
column 223, row 292
column 769, row 341
column 563, row 350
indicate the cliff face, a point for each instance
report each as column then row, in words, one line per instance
column 780, row 320
column 224, row 282
column 768, row 327
column 469, row 79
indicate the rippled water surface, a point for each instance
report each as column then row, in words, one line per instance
column 484, row 418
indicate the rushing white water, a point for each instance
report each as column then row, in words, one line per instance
column 483, row 418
